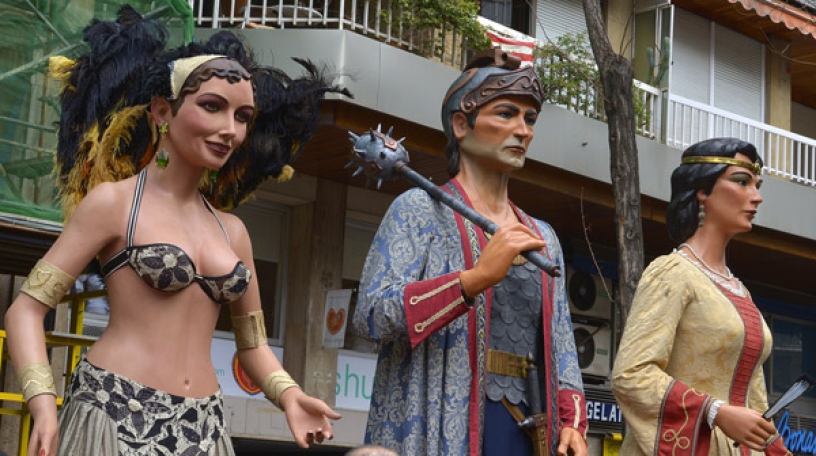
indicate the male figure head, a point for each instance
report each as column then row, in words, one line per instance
column 489, row 76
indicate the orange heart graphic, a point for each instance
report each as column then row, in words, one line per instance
column 335, row 320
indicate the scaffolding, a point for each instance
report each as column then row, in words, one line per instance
column 32, row 31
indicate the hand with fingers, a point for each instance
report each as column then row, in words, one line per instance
column 746, row 427
column 497, row 256
column 571, row 443
column 45, row 431
column 309, row 418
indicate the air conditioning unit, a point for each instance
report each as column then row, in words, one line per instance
column 588, row 296
column 593, row 344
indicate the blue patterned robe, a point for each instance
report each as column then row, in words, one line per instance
column 428, row 396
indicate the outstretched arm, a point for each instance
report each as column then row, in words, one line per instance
column 88, row 231
column 308, row 418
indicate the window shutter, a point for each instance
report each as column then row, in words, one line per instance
column 691, row 65
column 803, row 120
column 558, row 17
column 738, row 74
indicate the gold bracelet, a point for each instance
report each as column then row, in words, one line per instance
column 249, row 330
column 47, row 283
column 36, row 379
column 275, row 384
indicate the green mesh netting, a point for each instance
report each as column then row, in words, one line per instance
column 31, row 31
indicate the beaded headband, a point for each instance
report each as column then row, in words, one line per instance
column 754, row 167
column 180, row 70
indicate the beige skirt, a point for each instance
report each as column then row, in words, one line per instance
column 107, row 415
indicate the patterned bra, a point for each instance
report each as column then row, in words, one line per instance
column 167, row 267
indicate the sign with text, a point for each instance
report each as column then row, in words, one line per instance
column 605, row 412
column 801, row 441
column 354, row 379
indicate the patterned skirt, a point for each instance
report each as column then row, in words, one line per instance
column 107, row 415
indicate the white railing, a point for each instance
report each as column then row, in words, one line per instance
column 683, row 122
column 374, row 18
column 784, row 153
column 647, row 122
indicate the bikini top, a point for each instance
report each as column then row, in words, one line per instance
column 167, row 267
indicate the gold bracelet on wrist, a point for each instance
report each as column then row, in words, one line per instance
column 47, row 283
column 275, row 384
column 249, row 330
column 36, row 379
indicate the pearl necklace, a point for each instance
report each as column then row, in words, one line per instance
column 736, row 288
column 728, row 276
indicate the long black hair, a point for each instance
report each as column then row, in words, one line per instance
column 687, row 179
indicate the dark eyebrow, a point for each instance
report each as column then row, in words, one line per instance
column 510, row 106
column 212, row 94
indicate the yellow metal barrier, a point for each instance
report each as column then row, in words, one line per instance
column 74, row 340
column 612, row 444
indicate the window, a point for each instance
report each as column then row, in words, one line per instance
column 555, row 18
column 357, row 242
column 268, row 227
column 794, row 353
column 717, row 66
column 510, row 13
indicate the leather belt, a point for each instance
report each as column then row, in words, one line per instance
column 506, row 363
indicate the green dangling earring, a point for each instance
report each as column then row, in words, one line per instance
column 162, row 157
column 213, row 174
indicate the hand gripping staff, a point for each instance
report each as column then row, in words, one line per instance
column 382, row 158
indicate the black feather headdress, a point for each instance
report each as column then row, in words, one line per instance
column 105, row 132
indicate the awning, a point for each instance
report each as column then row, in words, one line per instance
column 781, row 13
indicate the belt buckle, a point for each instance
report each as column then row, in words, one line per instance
column 505, row 363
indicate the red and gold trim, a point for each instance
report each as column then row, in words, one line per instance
column 571, row 407
column 683, row 428
column 432, row 304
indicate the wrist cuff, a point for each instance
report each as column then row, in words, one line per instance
column 712, row 412
column 275, row 384
column 36, row 379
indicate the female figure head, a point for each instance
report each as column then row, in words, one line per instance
column 208, row 113
column 110, row 131
column 703, row 165
column 494, row 75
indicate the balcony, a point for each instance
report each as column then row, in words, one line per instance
column 399, row 74
column 667, row 118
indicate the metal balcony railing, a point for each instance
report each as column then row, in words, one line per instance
column 673, row 120
column 374, row 18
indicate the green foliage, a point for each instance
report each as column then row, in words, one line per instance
column 570, row 77
column 438, row 18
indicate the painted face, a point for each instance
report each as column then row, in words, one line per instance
column 501, row 134
column 212, row 122
column 733, row 202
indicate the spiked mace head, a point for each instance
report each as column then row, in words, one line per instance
column 377, row 155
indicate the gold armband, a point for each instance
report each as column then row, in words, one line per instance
column 36, row 379
column 249, row 329
column 275, row 384
column 47, row 283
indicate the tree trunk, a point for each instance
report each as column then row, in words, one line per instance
column 616, row 79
